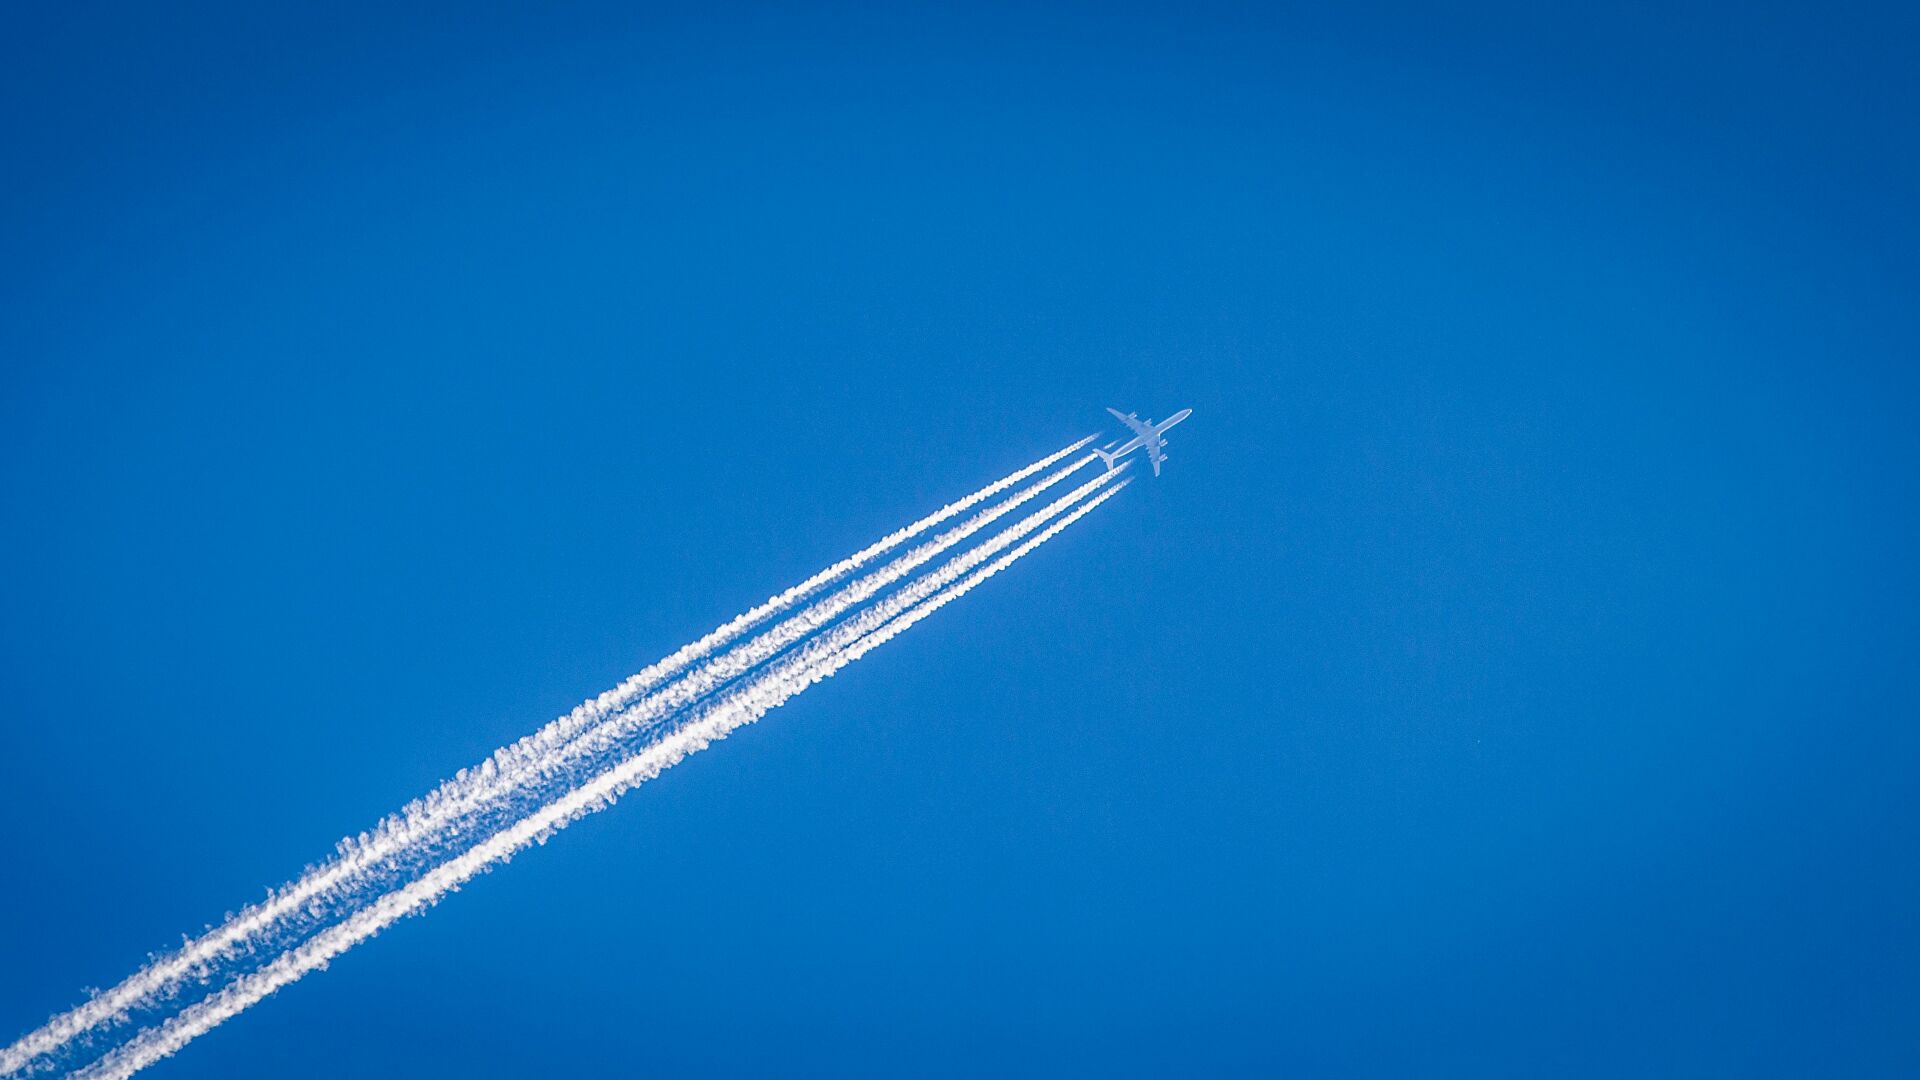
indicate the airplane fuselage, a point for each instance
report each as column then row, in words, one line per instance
column 1150, row 435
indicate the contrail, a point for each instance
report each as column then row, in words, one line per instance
column 613, row 736
column 744, row 705
column 563, row 762
column 454, row 809
column 590, row 711
column 355, row 856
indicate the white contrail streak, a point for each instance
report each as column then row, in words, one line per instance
column 743, row 657
column 563, row 763
column 597, row 708
column 358, row 855
column 614, row 735
column 441, row 817
column 742, row 706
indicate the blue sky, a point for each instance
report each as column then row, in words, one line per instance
column 1510, row 675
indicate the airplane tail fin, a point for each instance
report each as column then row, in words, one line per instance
column 1106, row 457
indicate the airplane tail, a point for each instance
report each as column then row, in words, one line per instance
column 1106, row 457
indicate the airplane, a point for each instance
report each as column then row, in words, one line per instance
column 1145, row 433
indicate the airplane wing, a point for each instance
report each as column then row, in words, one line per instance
column 1155, row 455
column 1133, row 422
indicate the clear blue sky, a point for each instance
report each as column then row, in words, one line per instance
column 1511, row 675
